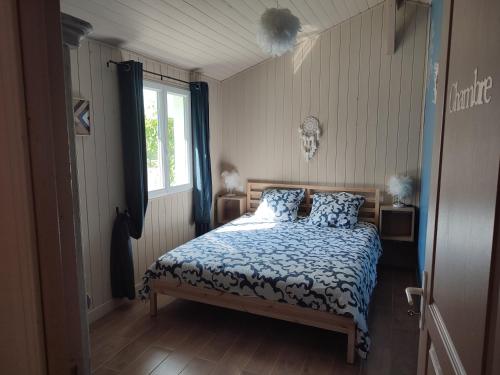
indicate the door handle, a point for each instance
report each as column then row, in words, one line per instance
column 414, row 291
column 410, row 291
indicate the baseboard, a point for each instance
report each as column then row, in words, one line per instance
column 107, row 307
column 101, row 310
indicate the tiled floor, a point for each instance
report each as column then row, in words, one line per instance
column 191, row 338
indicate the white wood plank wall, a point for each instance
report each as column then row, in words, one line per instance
column 168, row 220
column 369, row 105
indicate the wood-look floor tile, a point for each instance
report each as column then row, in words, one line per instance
column 174, row 336
column 121, row 317
column 215, row 349
column 132, row 351
column 128, row 354
column 292, row 357
column 264, row 358
column 378, row 361
column 319, row 359
column 173, row 364
column 237, row 356
column 147, row 361
column 198, row 366
column 404, row 344
column 108, row 350
column 105, row 371
column 192, row 338
column 380, row 320
column 137, row 328
column 186, row 350
column 403, row 277
column 402, row 321
column 382, row 297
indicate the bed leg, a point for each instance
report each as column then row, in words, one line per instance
column 153, row 304
column 351, row 338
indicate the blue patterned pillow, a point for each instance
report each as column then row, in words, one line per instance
column 338, row 210
column 279, row 204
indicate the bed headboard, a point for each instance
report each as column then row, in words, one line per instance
column 368, row 212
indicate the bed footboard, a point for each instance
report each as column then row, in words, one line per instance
column 258, row 306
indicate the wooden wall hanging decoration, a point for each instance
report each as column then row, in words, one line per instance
column 81, row 114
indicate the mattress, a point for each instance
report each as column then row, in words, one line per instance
column 321, row 268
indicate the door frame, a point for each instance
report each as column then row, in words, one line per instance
column 491, row 360
column 433, row 207
column 53, row 173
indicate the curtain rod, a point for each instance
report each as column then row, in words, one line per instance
column 149, row 72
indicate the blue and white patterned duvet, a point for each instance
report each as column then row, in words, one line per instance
column 322, row 268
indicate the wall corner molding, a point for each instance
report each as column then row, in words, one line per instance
column 74, row 30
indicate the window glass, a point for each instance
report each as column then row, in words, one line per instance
column 178, row 140
column 168, row 138
column 153, row 142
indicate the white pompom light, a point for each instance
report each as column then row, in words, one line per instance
column 231, row 181
column 277, row 31
column 400, row 187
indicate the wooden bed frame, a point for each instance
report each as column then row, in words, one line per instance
column 256, row 305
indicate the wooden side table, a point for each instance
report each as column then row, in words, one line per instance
column 397, row 223
column 230, row 207
column 397, row 232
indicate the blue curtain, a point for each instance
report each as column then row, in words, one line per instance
column 202, row 174
column 130, row 223
column 133, row 144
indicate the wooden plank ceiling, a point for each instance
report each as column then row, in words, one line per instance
column 215, row 36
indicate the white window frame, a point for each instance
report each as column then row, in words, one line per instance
column 162, row 134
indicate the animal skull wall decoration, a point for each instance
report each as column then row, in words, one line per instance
column 309, row 132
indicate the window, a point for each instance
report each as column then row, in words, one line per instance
column 168, row 138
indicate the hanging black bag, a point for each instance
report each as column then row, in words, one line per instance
column 121, row 261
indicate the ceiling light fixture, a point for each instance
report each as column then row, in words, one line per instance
column 277, row 32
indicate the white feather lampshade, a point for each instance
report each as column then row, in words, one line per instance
column 231, row 181
column 277, row 32
column 400, row 187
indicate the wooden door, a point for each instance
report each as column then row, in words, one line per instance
column 22, row 338
column 42, row 318
column 459, row 254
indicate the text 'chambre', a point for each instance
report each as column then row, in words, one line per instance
column 475, row 94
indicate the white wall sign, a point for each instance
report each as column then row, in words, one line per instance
column 475, row 94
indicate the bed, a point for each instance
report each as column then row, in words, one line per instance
column 321, row 277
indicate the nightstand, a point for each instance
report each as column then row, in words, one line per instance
column 397, row 223
column 230, row 207
column 397, row 232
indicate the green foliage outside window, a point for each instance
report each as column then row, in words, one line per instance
column 152, row 143
column 171, row 150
